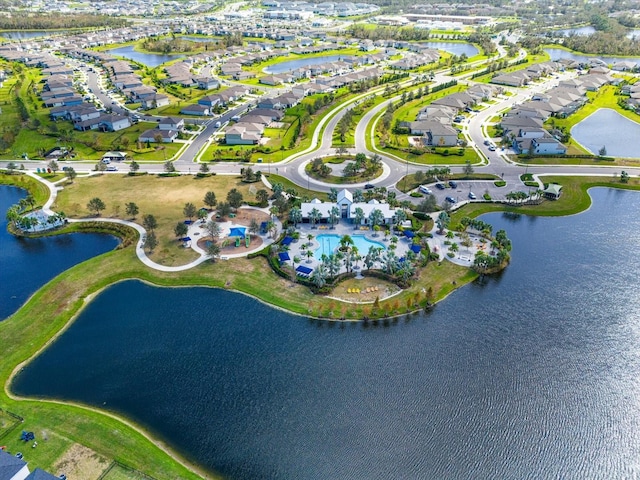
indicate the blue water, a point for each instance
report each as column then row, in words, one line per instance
column 28, row 34
column 329, row 242
column 290, row 65
column 28, row 263
column 531, row 374
column 606, row 127
column 148, row 59
column 558, row 54
column 454, row 48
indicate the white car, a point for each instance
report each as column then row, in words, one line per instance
column 424, row 189
column 472, row 196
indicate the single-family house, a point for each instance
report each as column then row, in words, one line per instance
column 199, row 110
column 157, row 135
column 244, row 133
column 156, row 100
column 171, row 123
column 547, row 146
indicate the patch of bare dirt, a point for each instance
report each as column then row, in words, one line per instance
column 82, row 463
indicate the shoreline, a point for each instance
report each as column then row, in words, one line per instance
column 72, row 311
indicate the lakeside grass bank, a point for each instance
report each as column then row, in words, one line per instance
column 52, row 309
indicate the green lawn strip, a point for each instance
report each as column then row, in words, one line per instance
column 39, row 190
column 452, row 158
column 302, row 192
column 574, row 199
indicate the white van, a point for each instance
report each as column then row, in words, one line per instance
column 217, row 124
column 424, row 189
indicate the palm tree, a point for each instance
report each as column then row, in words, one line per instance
column 358, row 196
column 376, row 218
column 345, row 242
column 314, row 216
column 358, row 216
column 319, row 276
column 373, row 256
column 334, row 215
column 442, row 222
column 390, row 261
column 453, row 248
column 309, row 239
column 348, row 260
column 295, row 216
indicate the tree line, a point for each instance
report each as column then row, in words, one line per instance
column 56, row 21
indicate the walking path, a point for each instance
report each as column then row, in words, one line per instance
column 140, row 252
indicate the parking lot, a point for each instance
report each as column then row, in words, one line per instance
column 462, row 190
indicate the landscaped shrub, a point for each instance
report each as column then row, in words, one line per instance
column 499, row 183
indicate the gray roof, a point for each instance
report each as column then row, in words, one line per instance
column 39, row 474
column 9, row 465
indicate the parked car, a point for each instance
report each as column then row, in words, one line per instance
column 19, row 455
column 112, row 168
column 492, row 148
column 440, row 186
column 472, row 195
column 450, row 200
column 453, row 184
column 487, row 143
column 424, row 189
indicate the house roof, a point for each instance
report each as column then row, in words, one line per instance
column 9, row 465
column 39, row 474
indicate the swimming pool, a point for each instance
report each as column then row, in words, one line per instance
column 329, row 242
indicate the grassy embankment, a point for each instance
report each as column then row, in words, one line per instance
column 54, row 305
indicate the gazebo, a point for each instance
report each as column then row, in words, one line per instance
column 553, row 191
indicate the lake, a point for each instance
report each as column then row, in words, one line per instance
column 28, row 263
column 291, row 65
column 533, row 373
column 29, row 34
column 148, row 59
column 454, row 48
column 606, row 127
column 586, row 30
column 559, row 53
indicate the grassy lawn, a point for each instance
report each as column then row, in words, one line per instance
column 302, row 192
column 431, row 159
column 163, row 197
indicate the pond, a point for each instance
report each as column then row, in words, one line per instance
column 586, row 30
column 28, row 263
column 291, row 65
column 455, row 48
column 148, row 59
column 559, row 53
column 28, row 34
column 534, row 373
column 606, row 127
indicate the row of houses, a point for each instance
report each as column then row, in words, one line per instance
column 523, row 77
column 434, row 122
column 59, row 93
column 250, row 128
